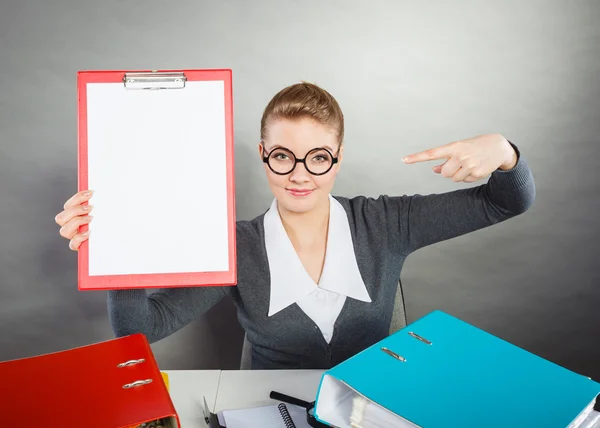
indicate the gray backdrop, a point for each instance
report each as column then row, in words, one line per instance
column 409, row 75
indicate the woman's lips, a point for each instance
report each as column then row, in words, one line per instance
column 299, row 192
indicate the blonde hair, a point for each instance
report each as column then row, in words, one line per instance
column 304, row 100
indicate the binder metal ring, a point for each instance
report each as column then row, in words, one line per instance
column 137, row 383
column 393, row 354
column 131, row 362
column 422, row 339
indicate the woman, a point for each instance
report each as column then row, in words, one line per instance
column 317, row 274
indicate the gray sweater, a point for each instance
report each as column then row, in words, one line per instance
column 385, row 230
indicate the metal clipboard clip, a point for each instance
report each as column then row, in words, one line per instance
column 155, row 80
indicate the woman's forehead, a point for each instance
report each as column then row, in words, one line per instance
column 300, row 135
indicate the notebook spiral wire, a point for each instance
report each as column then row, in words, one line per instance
column 287, row 419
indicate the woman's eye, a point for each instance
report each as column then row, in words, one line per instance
column 319, row 159
column 280, row 156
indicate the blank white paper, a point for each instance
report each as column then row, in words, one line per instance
column 263, row 417
column 157, row 165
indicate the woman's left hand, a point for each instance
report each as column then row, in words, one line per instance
column 470, row 160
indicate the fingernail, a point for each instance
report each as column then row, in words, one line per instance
column 87, row 207
column 87, row 193
column 405, row 158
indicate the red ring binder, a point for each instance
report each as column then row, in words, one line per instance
column 84, row 387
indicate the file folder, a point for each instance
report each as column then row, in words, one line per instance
column 156, row 148
column 111, row 384
column 443, row 372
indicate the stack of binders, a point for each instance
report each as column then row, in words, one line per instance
column 443, row 372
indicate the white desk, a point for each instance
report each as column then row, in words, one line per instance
column 251, row 388
column 235, row 389
column 188, row 389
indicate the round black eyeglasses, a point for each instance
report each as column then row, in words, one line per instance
column 317, row 162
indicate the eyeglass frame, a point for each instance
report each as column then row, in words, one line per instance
column 265, row 159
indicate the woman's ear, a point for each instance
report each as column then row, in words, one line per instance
column 340, row 155
column 260, row 150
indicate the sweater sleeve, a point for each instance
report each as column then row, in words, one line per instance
column 162, row 312
column 425, row 220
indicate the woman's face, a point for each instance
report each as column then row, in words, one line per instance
column 300, row 191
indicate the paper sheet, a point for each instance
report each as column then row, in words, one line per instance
column 264, row 417
column 592, row 420
column 337, row 406
column 157, row 165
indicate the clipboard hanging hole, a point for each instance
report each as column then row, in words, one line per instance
column 131, row 363
column 137, row 383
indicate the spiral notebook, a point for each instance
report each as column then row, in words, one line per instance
column 277, row 416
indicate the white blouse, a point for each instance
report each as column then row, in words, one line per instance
column 291, row 283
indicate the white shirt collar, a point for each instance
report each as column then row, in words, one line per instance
column 289, row 279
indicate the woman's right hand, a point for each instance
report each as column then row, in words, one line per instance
column 76, row 213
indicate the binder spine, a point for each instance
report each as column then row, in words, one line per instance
column 285, row 415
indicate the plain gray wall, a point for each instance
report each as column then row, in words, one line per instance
column 409, row 76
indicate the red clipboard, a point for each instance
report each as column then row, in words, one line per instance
column 156, row 148
column 110, row 384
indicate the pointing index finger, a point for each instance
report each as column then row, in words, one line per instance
column 428, row 155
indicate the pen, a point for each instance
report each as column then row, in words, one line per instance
column 290, row 400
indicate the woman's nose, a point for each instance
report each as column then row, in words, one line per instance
column 300, row 173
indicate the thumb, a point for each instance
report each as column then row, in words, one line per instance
column 438, row 168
